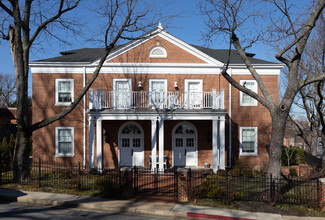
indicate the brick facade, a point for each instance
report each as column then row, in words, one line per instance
column 252, row 116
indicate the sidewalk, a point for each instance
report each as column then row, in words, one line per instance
column 171, row 210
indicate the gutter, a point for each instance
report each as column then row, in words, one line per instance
column 84, row 120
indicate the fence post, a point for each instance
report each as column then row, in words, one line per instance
column 321, row 193
column 189, row 183
column 119, row 181
column 39, row 172
column 155, row 181
column 0, row 169
column 176, row 183
column 227, row 186
column 135, row 188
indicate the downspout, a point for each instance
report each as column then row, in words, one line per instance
column 229, row 113
column 84, row 120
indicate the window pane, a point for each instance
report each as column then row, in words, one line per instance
column 136, row 142
column 248, row 147
column 64, row 97
column 65, row 148
column 248, row 140
column 189, row 142
column 246, row 98
column 158, row 86
column 65, row 141
column 65, row 135
column 179, row 142
column 64, row 86
column 125, row 142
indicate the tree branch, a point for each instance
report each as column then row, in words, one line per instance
column 44, row 24
column 6, row 9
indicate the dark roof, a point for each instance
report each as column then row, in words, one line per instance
column 222, row 56
column 92, row 54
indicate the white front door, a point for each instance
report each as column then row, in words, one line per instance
column 184, row 145
column 122, row 93
column 131, row 147
column 193, row 97
column 158, row 92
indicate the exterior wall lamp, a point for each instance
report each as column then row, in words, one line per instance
column 175, row 85
column 140, row 84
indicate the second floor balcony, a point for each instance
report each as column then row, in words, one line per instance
column 155, row 100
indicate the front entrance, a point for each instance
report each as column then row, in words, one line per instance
column 131, row 147
column 184, row 145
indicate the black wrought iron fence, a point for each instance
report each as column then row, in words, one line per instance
column 292, row 190
column 134, row 181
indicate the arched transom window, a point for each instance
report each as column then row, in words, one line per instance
column 131, row 129
column 184, row 129
column 158, row 52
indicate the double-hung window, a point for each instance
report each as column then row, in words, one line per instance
column 64, row 141
column 246, row 100
column 248, row 141
column 63, row 91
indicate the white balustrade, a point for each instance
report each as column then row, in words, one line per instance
column 156, row 100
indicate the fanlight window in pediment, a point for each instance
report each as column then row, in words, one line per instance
column 158, row 52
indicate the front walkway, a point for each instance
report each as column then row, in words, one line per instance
column 137, row 207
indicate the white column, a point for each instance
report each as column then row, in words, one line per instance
column 99, row 144
column 153, row 144
column 161, row 145
column 91, row 99
column 215, row 156
column 91, row 142
column 222, row 142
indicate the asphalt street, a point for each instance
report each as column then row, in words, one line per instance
column 22, row 211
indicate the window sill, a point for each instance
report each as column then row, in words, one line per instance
column 248, row 154
column 63, row 104
column 68, row 155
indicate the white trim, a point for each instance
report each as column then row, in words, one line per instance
column 57, row 154
column 139, row 136
column 255, row 153
column 158, row 80
column 57, row 91
column 163, row 50
column 195, row 141
column 115, row 80
column 254, row 103
column 195, row 99
column 152, row 68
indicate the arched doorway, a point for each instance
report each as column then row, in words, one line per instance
column 184, row 144
column 130, row 145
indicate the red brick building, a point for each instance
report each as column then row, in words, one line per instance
column 157, row 97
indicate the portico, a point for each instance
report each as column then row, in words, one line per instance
column 158, row 119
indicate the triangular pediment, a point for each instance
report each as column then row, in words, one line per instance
column 177, row 52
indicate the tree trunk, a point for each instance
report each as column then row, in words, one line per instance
column 275, row 151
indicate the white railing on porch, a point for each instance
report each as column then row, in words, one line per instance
column 161, row 100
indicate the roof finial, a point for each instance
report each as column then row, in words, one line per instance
column 159, row 26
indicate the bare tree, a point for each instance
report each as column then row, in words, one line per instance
column 24, row 22
column 7, row 90
column 229, row 17
column 308, row 97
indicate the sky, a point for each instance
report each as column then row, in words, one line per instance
column 188, row 26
